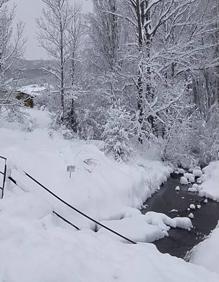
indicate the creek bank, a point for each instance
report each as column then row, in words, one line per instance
column 182, row 202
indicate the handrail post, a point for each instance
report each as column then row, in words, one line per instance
column 4, row 173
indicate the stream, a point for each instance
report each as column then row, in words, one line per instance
column 176, row 203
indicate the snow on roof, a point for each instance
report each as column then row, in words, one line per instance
column 33, row 89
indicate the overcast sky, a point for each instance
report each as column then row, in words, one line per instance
column 28, row 11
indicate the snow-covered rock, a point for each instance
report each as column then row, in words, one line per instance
column 181, row 171
column 197, row 172
column 190, row 177
column 184, row 180
column 177, row 188
column 195, row 188
column 192, row 189
column 174, row 210
column 200, row 180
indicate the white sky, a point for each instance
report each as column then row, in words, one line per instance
column 28, row 11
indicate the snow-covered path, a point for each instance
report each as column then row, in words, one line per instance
column 36, row 246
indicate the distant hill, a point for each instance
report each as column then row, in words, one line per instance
column 31, row 72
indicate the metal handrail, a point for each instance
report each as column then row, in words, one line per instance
column 78, row 211
column 65, row 220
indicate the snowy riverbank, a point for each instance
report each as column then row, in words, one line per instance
column 207, row 252
column 210, row 185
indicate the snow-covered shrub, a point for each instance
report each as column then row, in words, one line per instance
column 70, row 118
column 91, row 108
column 209, row 138
column 117, row 132
column 90, row 123
column 48, row 99
column 193, row 141
column 14, row 115
column 179, row 144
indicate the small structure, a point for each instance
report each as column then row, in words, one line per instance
column 70, row 169
column 27, row 99
column 28, row 93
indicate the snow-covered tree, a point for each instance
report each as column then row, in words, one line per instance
column 2, row 2
column 117, row 132
column 61, row 30
column 205, row 80
column 75, row 33
column 149, row 19
column 53, row 30
column 100, row 64
column 11, row 48
column 103, row 52
column 11, row 39
column 104, row 33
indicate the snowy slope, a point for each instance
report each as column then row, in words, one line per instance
column 36, row 253
column 210, row 185
column 36, row 246
column 97, row 181
column 207, row 252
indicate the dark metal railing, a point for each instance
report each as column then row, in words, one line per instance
column 65, row 220
column 78, row 211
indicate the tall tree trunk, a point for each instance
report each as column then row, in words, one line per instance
column 140, row 71
column 217, row 53
column 114, row 32
column 62, row 90
column 73, row 68
column 73, row 116
column 148, row 38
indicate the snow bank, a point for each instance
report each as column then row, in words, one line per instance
column 207, row 252
column 210, row 185
column 145, row 228
column 38, row 252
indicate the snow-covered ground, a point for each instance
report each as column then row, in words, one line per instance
column 207, row 252
column 98, row 185
column 37, row 246
column 210, row 185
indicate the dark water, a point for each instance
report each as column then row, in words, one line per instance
column 180, row 242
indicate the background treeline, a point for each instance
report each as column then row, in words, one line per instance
column 132, row 73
